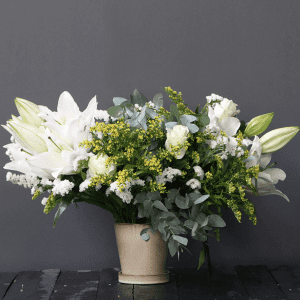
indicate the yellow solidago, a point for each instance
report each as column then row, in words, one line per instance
column 239, row 138
column 231, row 188
column 208, row 175
column 195, row 156
column 253, row 171
column 154, row 186
column 235, row 209
column 36, row 194
column 51, row 203
column 219, row 161
column 154, row 164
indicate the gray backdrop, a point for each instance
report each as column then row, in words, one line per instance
column 247, row 51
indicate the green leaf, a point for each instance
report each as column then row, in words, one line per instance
column 183, row 214
column 216, row 221
column 62, row 206
column 201, row 199
column 158, row 100
column 175, row 112
column 119, row 100
column 201, row 258
column 158, row 204
column 147, row 207
column 180, row 239
column 138, row 98
column 197, row 109
column 182, row 202
column 83, row 175
column 189, row 224
column 204, row 120
column 201, row 218
column 194, row 228
column 115, row 111
column 173, row 247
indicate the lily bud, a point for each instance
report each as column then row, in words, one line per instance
column 258, row 124
column 276, row 139
column 26, row 135
column 28, row 112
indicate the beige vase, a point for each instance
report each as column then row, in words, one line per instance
column 141, row 262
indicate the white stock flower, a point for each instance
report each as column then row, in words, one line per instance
column 177, row 135
column 199, row 171
column 194, row 183
column 44, row 201
column 62, row 187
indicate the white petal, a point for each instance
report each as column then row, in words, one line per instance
column 230, row 125
column 275, row 174
column 67, row 107
column 265, row 159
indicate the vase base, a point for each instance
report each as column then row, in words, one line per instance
column 144, row 279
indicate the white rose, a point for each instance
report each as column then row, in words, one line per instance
column 225, row 109
column 177, row 135
column 97, row 165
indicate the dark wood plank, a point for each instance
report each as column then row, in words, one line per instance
column 259, row 283
column 287, row 278
column 164, row 291
column 34, row 285
column 76, row 285
column 226, row 285
column 193, row 284
column 6, row 279
column 110, row 289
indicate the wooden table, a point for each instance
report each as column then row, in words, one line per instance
column 241, row 282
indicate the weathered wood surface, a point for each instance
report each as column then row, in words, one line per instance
column 238, row 283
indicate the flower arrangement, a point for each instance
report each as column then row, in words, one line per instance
column 174, row 170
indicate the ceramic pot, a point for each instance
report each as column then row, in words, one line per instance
column 141, row 262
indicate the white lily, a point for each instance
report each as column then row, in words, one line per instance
column 28, row 112
column 267, row 179
column 26, row 135
column 64, row 132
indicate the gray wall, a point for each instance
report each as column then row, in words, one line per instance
column 247, row 51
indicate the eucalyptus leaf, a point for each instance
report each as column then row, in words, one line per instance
column 154, row 195
column 180, row 239
column 173, row 247
column 118, row 100
column 192, row 128
column 146, row 237
column 201, row 199
column 147, row 207
column 194, row 228
column 250, row 158
column 62, row 206
column 158, row 100
column 158, row 204
column 150, row 112
column 140, row 197
column 182, row 202
column 204, row 120
column 115, row 111
column 186, row 119
column 175, row 112
column 170, row 124
column 216, row 221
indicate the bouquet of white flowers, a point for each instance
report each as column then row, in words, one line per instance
column 172, row 170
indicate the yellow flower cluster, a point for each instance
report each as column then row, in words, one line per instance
column 219, row 161
column 235, row 209
column 195, row 156
column 223, row 133
column 122, row 177
column 208, row 175
column 154, row 186
column 101, row 179
column 36, row 194
column 176, row 98
column 239, row 138
column 154, row 164
column 51, row 203
column 253, row 171
column 231, row 188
